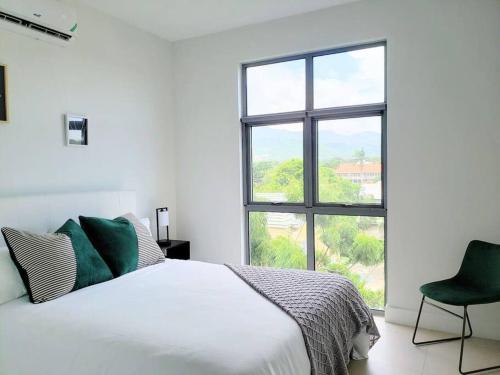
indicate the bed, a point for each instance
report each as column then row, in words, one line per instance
column 173, row 318
column 177, row 317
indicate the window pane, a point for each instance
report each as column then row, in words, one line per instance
column 353, row 246
column 349, row 78
column 277, row 163
column 278, row 239
column 349, row 160
column 276, row 88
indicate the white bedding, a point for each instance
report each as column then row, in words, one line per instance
column 176, row 318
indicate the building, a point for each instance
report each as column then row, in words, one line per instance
column 360, row 172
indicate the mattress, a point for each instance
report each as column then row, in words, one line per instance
column 179, row 317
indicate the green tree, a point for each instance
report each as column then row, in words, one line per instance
column 333, row 188
column 282, row 252
column 337, row 233
column 260, row 170
column 359, row 156
column 367, row 250
column 286, row 177
column 259, row 236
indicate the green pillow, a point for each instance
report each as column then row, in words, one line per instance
column 115, row 240
column 90, row 267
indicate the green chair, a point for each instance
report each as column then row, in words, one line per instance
column 477, row 282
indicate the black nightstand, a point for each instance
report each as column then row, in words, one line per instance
column 176, row 250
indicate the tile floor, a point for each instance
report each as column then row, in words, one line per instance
column 394, row 354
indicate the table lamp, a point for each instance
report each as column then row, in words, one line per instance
column 162, row 220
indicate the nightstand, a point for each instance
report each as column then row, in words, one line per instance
column 176, row 250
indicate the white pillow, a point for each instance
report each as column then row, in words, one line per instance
column 11, row 284
column 145, row 221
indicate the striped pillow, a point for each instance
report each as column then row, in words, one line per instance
column 54, row 264
column 149, row 251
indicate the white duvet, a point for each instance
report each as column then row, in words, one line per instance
column 177, row 318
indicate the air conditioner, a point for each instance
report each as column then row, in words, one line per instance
column 48, row 20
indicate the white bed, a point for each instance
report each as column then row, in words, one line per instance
column 178, row 318
column 173, row 318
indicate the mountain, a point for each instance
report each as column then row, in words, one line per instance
column 279, row 145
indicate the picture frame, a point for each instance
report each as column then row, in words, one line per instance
column 77, row 134
column 4, row 109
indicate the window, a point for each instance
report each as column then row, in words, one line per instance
column 350, row 153
column 314, row 164
column 275, row 88
column 277, row 168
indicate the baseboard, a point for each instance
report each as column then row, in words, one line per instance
column 484, row 325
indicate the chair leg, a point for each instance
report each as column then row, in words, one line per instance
column 462, row 337
column 466, row 315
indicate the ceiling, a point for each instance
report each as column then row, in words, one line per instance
column 182, row 19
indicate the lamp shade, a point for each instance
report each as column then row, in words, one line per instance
column 163, row 219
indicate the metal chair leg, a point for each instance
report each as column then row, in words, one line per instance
column 462, row 337
column 466, row 315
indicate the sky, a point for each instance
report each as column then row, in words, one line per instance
column 348, row 78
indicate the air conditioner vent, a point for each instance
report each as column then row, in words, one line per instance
column 9, row 18
column 33, row 26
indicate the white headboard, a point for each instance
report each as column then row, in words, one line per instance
column 47, row 212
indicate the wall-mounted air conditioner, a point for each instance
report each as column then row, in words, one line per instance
column 48, row 20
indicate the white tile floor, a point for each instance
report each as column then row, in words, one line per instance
column 394, row 354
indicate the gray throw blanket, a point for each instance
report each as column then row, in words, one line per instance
column 327, row 307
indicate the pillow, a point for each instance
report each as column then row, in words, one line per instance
column 11, row 284
column 54, row 264
column 145, row 221
column 115, row 240
column 90, row 267
column 149, row 251
column 124, row 243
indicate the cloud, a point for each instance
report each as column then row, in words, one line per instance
column 276, row 88
column 362, row 84
column 349, row 78
column 352, row 126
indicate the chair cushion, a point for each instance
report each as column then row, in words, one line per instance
column 453, row 292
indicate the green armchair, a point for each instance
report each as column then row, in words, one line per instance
column 477, row 282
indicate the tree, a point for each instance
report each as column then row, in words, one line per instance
column 333, row 188
column 337, row 233
column 260, row 170
column 280, row 252
column 359, row 156
column 286, row 177
column 258, row 231
column 367, row 250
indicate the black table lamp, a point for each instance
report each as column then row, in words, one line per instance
column 162, row 220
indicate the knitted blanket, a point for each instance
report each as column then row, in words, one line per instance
column 327, row 307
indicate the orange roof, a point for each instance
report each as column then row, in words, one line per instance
column 359, row 168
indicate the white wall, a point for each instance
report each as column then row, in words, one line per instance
column 443, row 133
column 118, row 76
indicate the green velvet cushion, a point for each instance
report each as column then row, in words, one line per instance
column 90, row 267
column 477, row 281
column 115, row 240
